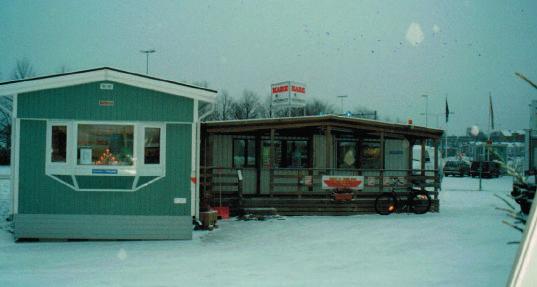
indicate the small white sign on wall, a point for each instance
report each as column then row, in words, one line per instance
column 179, row 200
column 107, row 86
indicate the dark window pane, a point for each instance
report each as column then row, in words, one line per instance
column 251, row 153
column 105, row 144
column 152, row 146
column 296, row 154
column 239, row 149
column 59, row 144
column 346, row 154
column 265, row 150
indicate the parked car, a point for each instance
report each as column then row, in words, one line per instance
column 456, row 168
column 488, row 169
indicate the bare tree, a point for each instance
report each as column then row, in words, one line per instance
column 6, row 104
column 226, row 103
column 223, row 107
column 22, row 70
column 318, row 107
column 247, row 106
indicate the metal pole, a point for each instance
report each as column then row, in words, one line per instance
column 426, row 109
column 480, row 167
column 445, row 143
column 147, row 52
column 147, row 65
column 342, row 97
column 480, row 175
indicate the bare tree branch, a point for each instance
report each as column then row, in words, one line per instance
column 22, row 70
column 526, row 79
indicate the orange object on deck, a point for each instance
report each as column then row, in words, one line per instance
column 223, row 211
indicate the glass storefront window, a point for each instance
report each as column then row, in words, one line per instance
column 347, row 154
column 370, row 155
column 296, row 153
column 152, row 146
column 105, row 144
column 266, row 153
column 243, row 152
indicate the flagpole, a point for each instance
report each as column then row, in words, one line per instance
column 446, row 133
column 490, row 112
column 491, row 122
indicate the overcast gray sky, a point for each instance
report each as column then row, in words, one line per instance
column 382, row 54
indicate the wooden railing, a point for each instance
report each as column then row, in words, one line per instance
column 218, row 182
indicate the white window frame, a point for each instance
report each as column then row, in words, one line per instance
column 137, row 169
column 58, row 167
column 152, row 169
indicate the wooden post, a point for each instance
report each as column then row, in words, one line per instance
column 436, row 177
column 298, row 186
column 310, row 161
column 422, row 141
column 271, row 165
column 382, row 165
column 328, row 142
column 410, row 164
column 206, row 193
column 258, row 163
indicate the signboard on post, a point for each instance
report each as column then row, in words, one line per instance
column 342, row 182
column 288, row 94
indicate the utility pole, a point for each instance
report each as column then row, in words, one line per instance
column 475, row 132
column 147, row 52
column 426, row 108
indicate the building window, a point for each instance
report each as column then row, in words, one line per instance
column 105, row 144
column 370, row 154
column 347, row 154
column 296, row 153
column 287, row 153
column 152, row 146
column 243, row 152
column 59, row 143
column 277, row 153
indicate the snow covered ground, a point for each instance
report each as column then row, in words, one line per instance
column 463, row 245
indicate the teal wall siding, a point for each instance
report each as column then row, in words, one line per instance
column 40, row 194
column 104, row 182
column 81, row 102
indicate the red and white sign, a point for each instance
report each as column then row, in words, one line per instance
column 342, row 182
column 290, row 94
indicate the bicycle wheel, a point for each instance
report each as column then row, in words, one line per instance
column 385, row 204
column 420, row 202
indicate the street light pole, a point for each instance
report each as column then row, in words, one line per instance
column 342, row 97
column 426, row 109
column 475, row 132
column 147, row 52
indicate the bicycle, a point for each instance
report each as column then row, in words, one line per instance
column 388, row 202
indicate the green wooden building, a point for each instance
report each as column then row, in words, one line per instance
column 104, row 154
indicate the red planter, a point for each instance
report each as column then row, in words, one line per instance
column 223, row 211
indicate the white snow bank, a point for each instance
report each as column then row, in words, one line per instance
column 463, row 245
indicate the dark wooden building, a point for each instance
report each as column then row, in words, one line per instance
column 279, row 162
